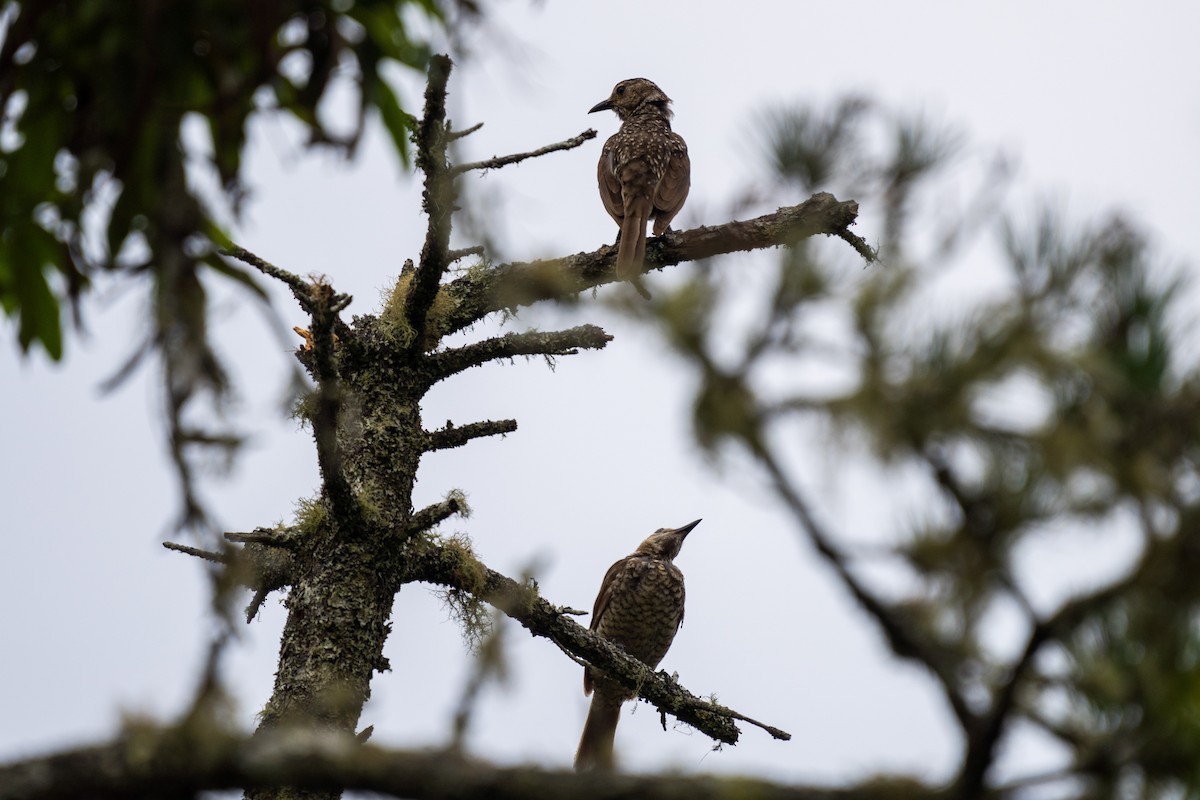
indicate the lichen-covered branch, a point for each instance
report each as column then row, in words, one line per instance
column 529, row 343
column 432, row 515
column 327, row 406
column 170, row 762
column 525, row 283
column 458, row 435
column 446, row 567
column 502, row 161
column 437, row 200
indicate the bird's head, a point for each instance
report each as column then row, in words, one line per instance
column 634, row 95
column 664, row 543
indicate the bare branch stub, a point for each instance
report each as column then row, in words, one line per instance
column 432, row 515
column 456, row 436
column 458, row 255
column 454, row 136
column 206, row 555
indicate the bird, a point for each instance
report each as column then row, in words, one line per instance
column 644, row 171
column 639, row 608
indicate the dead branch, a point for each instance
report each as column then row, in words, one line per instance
column 530, row 343
column 541, row 618
column 457, row 436
column 437, row 201
column 502, row 161
column 525, row 283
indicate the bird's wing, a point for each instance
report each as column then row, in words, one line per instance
column 673, row 188
column 606, row 592
column 610, row 185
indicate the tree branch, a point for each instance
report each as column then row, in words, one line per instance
column 170, row 762
column 447, row 566
column 206, row 555
column 458, row 255
column 454, row 136
column 301, row 288
column 904, row 641
column 437, row 201
column 982, row 741
column 502, row 161
column 530, row 343
column 430, row 516
column 525, row 283
column 328, row 402
column 452, row 436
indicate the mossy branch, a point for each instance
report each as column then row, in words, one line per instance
column 456, row 436
column 433, row 515
column 530, row 343
column 541, row 618
column 524, row 283
column 437, row 201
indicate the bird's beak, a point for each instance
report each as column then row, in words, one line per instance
column 686, row 529
column 604, row 105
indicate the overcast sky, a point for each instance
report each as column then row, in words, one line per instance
column 1097, row 101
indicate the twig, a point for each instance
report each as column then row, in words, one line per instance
column 776, row 733
column 207, row 555
column 868, row 253
column 458, row 255
column 301, row 289
column 454, row 136
column 502, row 161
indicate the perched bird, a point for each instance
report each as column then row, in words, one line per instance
column 640, row 607
column 644, row 172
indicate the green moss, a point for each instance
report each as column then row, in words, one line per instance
column 472, row 616
column 468, row 571
column 310, row 515
column 304, row 407
column 395, row 325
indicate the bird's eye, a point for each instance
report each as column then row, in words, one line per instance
column 620, row 90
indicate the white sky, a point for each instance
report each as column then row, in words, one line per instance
column 1098, row 101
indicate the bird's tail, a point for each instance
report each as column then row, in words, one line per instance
column 596, row 744
column 631, row 251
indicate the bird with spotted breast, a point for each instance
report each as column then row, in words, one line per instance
column 639, row 608
column 644, row 172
